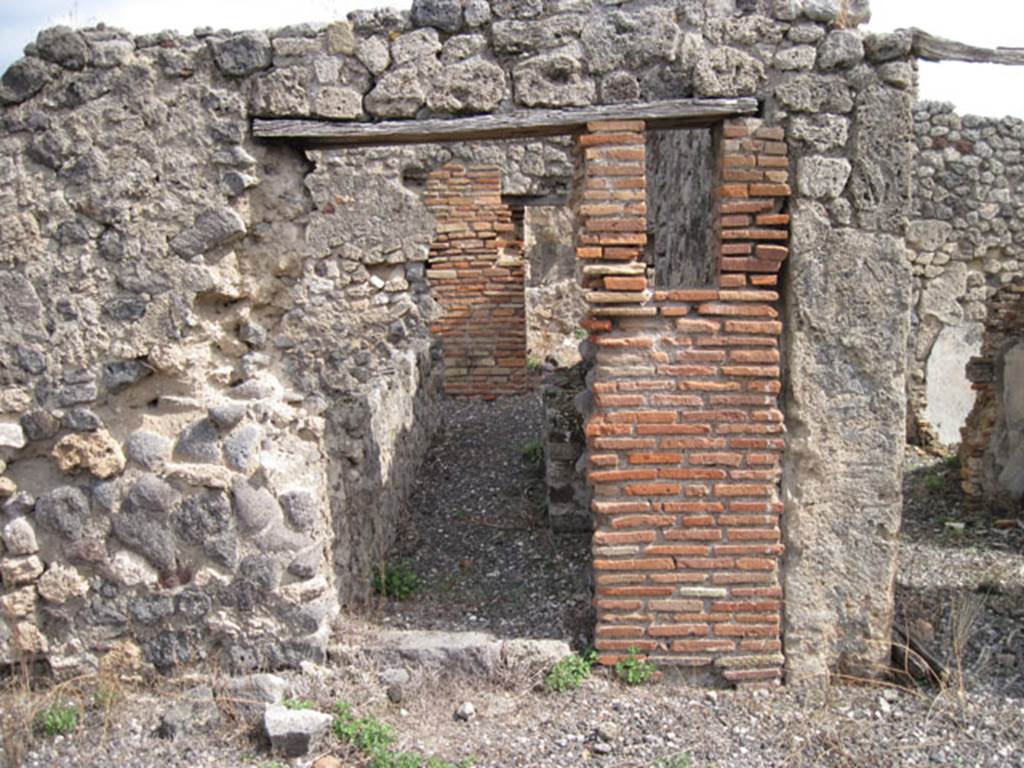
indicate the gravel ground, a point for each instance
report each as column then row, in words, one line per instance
column 976, row 573
column 478, row 539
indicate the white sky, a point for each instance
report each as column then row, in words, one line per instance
column 974, row 88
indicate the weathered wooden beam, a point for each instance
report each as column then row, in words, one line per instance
column 932, row 48
column 680, row 113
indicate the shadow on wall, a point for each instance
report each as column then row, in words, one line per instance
column 375, row 444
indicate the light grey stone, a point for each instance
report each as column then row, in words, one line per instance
column 412, row 46
column 247, row 696
column 12, row 436
column 528, row 37
column 294, row 733
column 846, row 411
column 810, row 93
column 842, row 49
column 338, row 103
column 461, row 47
column 727, row 72
column 880, row 186
column 280, row 92
column 554, row 79
column 374, row 54
column 819, row 133
column 822, row 178
column 800, row 57
column 630, row 40
column 20, row 537
column 898, row 74
column 472, row 86
column 476, row 12
column 399, row 93
column 242, row 54
column 928, row 234
column 941, row 296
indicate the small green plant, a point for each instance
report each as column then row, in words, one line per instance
column 533, row 364
column 582, row 333
column 297, row 704
column 395, row 580
column 570, row 671
column 58, row 719
column 366, row 733
column 533, row 453
column 374, row 739
column 634, row 670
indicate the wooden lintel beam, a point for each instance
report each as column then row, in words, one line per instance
column 681, row 113
column 932, row 48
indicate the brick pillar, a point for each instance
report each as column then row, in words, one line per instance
column 477, row 275
column 1004, row 323
column 685, row 439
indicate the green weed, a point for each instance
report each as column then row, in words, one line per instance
column 569, row 672
column 533, row 453
column 395, row 580
column 634, row 670
column 297, row 704
column 375, row 739
column 58, row 719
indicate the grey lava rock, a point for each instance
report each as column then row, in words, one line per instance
column 211, row 229
column 199, row 443
column 242, row 448
column 148, row 449
column 242, row 54
column 294, row 732
column 301, row 509
column 195, row 713
column 205, row 520
column 445, row 15
column 64, row 510
column 23, row 80
column 120, row 374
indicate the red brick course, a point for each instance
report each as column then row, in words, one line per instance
column 686, row 421
column 477, row 275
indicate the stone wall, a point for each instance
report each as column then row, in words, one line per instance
column 992, row 451
column 554, row 299
column 166, row 266
column 967, row 238
column 476, row 272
